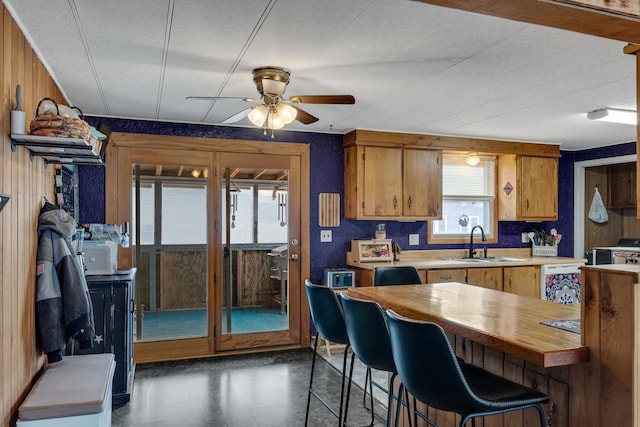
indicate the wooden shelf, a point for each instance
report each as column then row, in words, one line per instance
column 73, row 151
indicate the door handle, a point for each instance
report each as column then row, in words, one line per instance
column 294, row 257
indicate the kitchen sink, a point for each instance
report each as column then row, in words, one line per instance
column 488, row 259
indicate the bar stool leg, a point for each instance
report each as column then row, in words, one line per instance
column 313, row 365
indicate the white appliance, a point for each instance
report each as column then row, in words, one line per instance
column 338, row 277
column 100, row 251
column 615, row 255
column 627, row 251
column 560, row 283
column 100, row 257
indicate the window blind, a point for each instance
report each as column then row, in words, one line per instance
column 461, row 179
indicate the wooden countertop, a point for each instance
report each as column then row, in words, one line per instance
column 507, row 322
column 435, row 263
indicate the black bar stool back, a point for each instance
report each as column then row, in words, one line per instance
column 396, row 275
column 431, row 372
column 328, row 319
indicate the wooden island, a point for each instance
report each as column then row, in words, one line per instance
column 591, row 377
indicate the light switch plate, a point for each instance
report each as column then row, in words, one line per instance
column 414, row 239
column 325, row 235
column 525, row 238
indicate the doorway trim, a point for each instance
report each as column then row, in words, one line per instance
column 117, row 213
column 579, row 201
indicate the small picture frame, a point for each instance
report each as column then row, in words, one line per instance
column 378, row 250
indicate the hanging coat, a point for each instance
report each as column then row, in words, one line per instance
column 63, row 305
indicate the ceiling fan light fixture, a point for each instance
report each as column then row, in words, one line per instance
column 258, row 115
column 286, row 112
column 273, row 87
column 614, row 115
column 274, row 121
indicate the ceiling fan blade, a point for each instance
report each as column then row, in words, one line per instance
column 323, row 99
column 304, row 117
column 212, row 98
column 238, row 116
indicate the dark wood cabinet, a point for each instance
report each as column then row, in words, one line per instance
column 113, row 306
column 622, row 186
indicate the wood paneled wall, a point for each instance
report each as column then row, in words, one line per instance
column 622, row 222
column 608, row 233
column 27, row 181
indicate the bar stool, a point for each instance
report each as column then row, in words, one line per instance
column 328, row 318
column 430, row 371
column 396, row 275
column 369, row 337
column 390, row 276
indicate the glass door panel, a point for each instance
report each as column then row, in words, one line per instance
column 256, row 233
column 255, row 255
column 170, row 205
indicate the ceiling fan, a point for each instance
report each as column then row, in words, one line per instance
column 274, row 110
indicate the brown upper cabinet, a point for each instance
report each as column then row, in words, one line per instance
column 527, row 188
column 622, row 186
column 392, row 182
column 389, row 175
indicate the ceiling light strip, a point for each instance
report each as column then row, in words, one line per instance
column 614, row 115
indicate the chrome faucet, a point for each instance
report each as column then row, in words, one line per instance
column 472, row 251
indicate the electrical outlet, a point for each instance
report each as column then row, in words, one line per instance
column 325, row 235
column 525, row 238
column 414, row 239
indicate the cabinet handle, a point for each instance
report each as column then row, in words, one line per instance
column 527, row 204
column 395, row 202
column 409, row 202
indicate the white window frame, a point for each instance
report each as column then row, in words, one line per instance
column 463, row 236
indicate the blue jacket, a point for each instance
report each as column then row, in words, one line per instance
column 63, row 305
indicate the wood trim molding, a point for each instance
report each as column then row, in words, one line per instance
column 172, row 142
column 449, row 143
column 631, row 49
column 580, row 20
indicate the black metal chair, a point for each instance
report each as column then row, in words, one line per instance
column 430, row 371
column 396, row 275
column 369, row 337
column 328, row 319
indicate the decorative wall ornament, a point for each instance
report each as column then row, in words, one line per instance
column 329, row 210
column 507, row 189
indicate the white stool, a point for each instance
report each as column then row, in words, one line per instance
column 75, row 392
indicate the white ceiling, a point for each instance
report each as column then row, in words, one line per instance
column 412, row 67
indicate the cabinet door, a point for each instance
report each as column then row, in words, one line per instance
column 524, row 280
column 489, row 277
column 452, row 275
column 102, row 342
column 422, row 183
column 622, row 186
column 538, row 187
column 382, row 181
